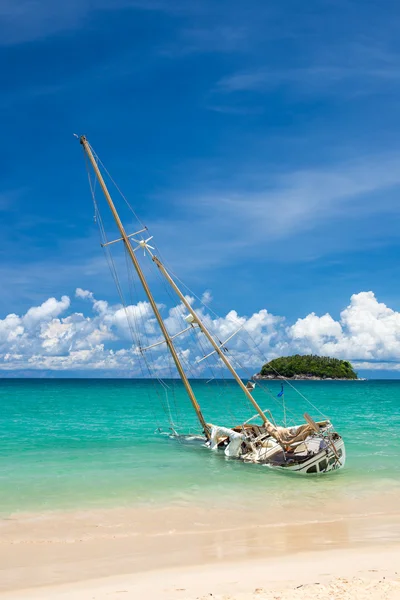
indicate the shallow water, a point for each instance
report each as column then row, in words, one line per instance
column 86, row 443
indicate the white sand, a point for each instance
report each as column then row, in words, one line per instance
column 198, row 553
column 337, row 575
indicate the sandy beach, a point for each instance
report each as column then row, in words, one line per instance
column 334, row 575
column 189, row 552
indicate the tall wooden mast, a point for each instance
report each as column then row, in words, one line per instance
column 143, row 281
column 210, row 338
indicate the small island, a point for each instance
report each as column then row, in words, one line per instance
column 308, row 367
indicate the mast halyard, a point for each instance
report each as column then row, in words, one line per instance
column 128, row 246
column 210, row 338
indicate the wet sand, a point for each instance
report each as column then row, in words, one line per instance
column 192, row 552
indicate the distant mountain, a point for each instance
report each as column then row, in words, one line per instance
column 307, row 367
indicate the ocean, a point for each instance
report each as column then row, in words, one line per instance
column 84, row 443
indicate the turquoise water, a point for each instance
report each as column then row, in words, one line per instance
column 92, row 443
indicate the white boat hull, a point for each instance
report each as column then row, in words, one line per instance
column 317, row 454
column 323, row 462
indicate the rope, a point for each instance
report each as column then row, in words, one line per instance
column 263, row 357
column 208, row 308
column 134, row 332
column 117, row 188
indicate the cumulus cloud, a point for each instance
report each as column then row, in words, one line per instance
column 367, row 330
column 206, row 298
column 10, row 328
column 51, row 337
column 84, row 294
column 49, row 309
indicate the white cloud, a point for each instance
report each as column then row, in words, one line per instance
column 302, row 199
column 84, row 294
column 10, row 328
column 49, row 309
column 317, row 330
column 46, row 338
column 377, row 366
column 367, row 330
column 263, row 206
column 309, row 80
column 206, row 297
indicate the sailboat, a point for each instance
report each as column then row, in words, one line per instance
column 312, row 447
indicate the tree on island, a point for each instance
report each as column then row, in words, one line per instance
column 310, row 365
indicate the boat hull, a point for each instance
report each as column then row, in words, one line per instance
column 325, row 461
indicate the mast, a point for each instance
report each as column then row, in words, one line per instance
column 143, row 281
column 209, row 337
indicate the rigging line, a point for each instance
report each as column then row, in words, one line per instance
column 302, row 395
column 181, row 308
column 277, row 373
column 281, row 377
column 163, row 384
column 171, row 367
column 280, row 403
column 140, row 361
column 191, row 292
column 253, row 340
column 219, row 365
column 197, row 334
column 150, row 370
column 294, row 416
column 153, row 378
column 148, row 358
column 136, row 315
column 208, row 335
column 179, row 311
column 167, row 388
column 209, row 309
column 134, row 318
column 103, row 238
column 210, row 365
column 111, row 257
column 114, row 273
column 116, row 186
column 185, row 362
column 244, row 400
column 250, row 375
column 264, row 387
column 108, row 255
column 173, row 389
column 110, row 260
column 284, row 409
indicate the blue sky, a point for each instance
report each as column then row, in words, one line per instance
column 258, row 141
